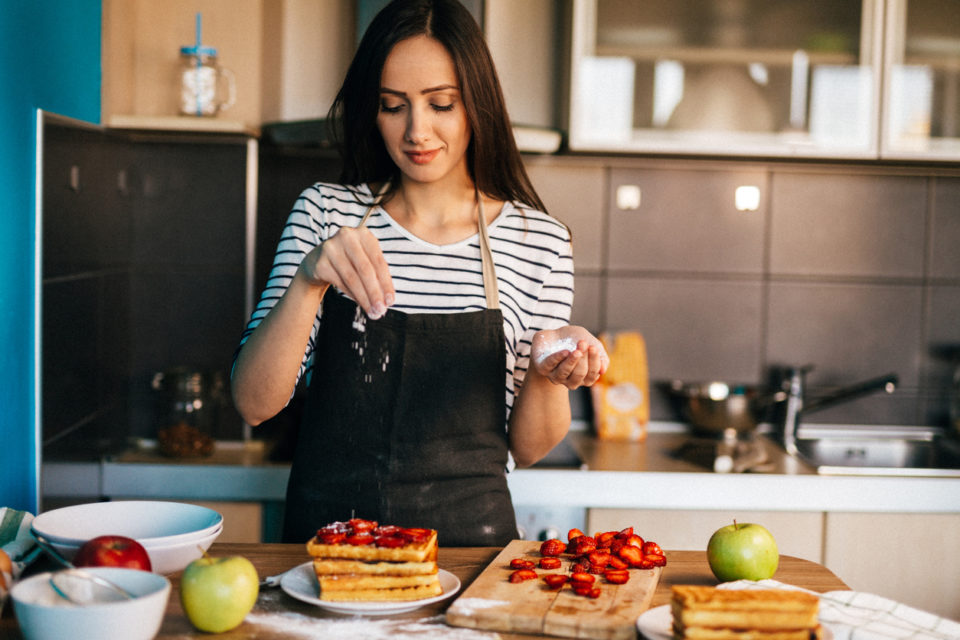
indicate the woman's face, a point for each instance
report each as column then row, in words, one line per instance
column 422, row 117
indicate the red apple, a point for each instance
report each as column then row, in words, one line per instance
column 113, row 551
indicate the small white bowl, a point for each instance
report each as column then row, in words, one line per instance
column 43, row 615
column 147, row 521
column 164, row 558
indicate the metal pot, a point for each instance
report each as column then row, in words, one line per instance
column 713, row 407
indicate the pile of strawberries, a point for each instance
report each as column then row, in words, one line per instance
column 610, row 554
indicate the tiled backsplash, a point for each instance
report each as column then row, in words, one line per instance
column 852, row 269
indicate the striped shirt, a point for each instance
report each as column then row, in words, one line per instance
column 531, row 252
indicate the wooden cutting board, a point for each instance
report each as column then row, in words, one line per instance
column 494, row 603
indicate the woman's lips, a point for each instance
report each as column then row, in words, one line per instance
column 422, row 157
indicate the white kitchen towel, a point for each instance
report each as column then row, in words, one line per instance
column 15, row 536
column 855, row 615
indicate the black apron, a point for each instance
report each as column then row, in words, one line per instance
column 404, row 422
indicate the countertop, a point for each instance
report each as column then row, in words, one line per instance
column 643, row 475
column 277, row 615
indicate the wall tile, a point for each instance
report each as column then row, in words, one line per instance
column 694, row 329
column 943, row 355
column 945, row 241
column 587, row 302
column 575, row 196
column 850, row 333
column 847, row 224
column 687, row 222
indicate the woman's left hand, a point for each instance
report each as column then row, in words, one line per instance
column 570, row 356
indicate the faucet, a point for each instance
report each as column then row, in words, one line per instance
column 794, row 384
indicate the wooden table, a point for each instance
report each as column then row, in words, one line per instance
column 277, row 615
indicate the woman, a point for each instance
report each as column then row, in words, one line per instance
column 429, row 362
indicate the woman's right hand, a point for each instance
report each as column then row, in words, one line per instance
column 352, row 261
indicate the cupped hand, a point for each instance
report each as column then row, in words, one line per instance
column 352, row 261
column 570, row 356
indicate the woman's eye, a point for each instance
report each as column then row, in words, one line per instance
column 443, row 107
column 388, row 108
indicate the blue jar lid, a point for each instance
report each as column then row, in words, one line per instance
column 198, row 51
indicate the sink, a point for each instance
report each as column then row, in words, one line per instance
column 879, row 450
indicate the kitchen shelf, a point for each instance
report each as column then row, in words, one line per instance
column 712, row 55
column 180, row 123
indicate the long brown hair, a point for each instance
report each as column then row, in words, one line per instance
column 492, row 156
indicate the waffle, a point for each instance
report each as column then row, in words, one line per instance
column 707, row 613
column 362, row 561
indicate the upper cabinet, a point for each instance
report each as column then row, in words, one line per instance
column 921, row 100
column 791, row 78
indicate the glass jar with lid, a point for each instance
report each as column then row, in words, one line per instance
column 206, row 88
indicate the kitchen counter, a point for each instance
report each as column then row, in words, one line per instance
column 277, row 615
column 642, row 475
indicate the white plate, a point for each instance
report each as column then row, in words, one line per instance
column 656, row 623
column 301, row 583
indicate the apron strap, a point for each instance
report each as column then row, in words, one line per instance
column 490, row 289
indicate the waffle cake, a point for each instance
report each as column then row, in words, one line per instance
column 708, row 613
column 359, row 560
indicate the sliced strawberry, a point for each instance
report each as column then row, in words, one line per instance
column 416, row 535
column 573, row 533
column 552, row 547
column 387, row 530
column 583, row 544
column 550, row 563
column 616, row 563
column 389, row 542
column 360, row 525
column 631, row 555
column 593, row 593
column 625, row 533
column 605, row 539
column 580, row 566
column 330, row 537
column 635, row 540
column 656, row 559
column 652, row 547
column 555, row 580
column 619, row 576
column 582, row 578
column 360, row 539
column 521, row 575
column 581, row 589
column 599, row 557
column 522, row 563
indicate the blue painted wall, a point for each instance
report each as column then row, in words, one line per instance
column 49, row 59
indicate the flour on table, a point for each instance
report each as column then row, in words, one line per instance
column 466, row 606
column 298, row 625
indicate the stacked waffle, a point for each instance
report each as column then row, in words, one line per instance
column 359, row 560
column 707, row 613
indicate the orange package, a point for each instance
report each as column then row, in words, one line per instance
column 621, row 397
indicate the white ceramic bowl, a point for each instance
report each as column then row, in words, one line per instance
column 164, row 558
column 147, row 521
column 43, row 615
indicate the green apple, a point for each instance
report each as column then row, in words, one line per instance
column 218, row 593
column 742, row 552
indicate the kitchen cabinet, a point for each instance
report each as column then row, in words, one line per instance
column 782, row 78
column 921, row 100
column 912, row 558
